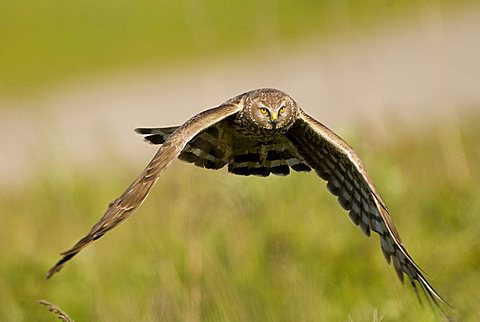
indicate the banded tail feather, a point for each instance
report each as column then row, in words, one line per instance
column 263, row 159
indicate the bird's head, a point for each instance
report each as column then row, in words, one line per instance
column 270, row 109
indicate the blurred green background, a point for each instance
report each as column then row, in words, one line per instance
column 47, row 41
column 208, row 246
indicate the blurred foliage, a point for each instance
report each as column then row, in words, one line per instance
column 216, row 247
column 210, row 246
column 49, row 40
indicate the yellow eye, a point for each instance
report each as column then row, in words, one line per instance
column 281, row 110
column 263, row 110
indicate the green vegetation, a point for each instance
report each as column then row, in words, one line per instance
column 216, row 247
column 48, row 41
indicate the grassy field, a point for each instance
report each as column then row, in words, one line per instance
column 208, row 246
column 48, row 41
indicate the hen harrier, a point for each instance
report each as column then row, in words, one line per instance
column 257, row 133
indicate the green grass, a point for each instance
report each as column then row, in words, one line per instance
column 47, row 41
column 209, row 246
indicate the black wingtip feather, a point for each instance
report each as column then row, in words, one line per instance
column 142, row 130
column 333, row 187
column 354, row 217
column 325, row 175
column 365, row 228
column 345, row 201
column 155, row 139
column 301, row 167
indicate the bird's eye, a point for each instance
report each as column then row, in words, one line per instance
column 281, row 110
column 263, row 110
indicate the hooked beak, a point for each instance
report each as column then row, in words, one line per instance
column 274, row 119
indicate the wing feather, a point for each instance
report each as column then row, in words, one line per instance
column 208, row 149
column 156, row 135
column 122, row 207
column 337, row 163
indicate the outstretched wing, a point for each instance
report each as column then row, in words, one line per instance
column 211, row 148
column 122, row 207
column 336, row 162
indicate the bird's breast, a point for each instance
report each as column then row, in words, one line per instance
column 242, row 127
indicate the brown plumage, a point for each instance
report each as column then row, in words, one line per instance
column 264, row 132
